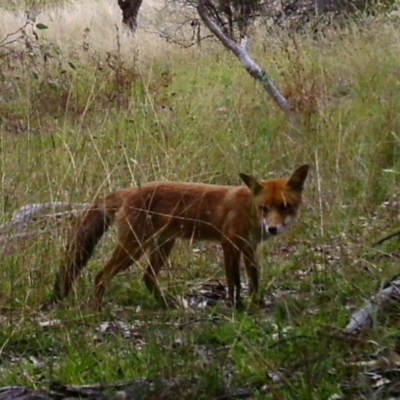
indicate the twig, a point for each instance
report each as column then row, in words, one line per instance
column 181, row 43
column 3, row 41
column 387, row 237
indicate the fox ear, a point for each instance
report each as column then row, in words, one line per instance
column 252, row 183
column 296, row 181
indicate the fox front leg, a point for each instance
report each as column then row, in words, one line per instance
column 251, row 266
column 232, row 270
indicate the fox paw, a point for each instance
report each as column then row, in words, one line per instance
column 174, row 302
column 257, row 301
column 48, row 305
column 168, row 301
column 52, row 301
column 96, row 305
column 236, row 305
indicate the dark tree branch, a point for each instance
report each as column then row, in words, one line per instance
column 387, row 237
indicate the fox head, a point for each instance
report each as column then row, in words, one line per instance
column 277, row 201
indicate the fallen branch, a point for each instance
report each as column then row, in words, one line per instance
column 138, row 389
column 257, row 72
column 20, row 229
column 31, row 212
column 365, row 318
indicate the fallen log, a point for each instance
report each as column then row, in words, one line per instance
column 365, row 318
column 23, row 229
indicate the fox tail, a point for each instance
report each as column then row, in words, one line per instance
column 85, row 236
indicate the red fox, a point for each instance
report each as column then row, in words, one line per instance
column 153, row 216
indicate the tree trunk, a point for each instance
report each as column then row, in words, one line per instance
column 130, row 10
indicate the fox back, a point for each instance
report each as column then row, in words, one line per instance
column 257, row 211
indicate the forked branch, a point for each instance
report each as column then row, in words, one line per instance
column 254, row 69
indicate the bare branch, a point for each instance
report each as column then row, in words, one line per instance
column 249, row 64
column 4, row 41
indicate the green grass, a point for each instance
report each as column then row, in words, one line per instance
column 81, row 125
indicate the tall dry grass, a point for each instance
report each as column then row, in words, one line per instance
column 99, row 22
column 108, row 110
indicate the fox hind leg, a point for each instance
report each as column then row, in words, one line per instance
column 251, row 269
column 159, row 253
column 126, row 253
column 250, row 263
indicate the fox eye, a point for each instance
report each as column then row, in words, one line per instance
column 287, row 208
column 264, row 209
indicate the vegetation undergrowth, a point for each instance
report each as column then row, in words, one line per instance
column 86, row 108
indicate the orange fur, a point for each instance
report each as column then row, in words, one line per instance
column 152, row 217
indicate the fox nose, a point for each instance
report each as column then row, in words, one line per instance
column 273, row 230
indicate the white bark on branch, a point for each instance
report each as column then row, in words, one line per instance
column 257, row 72
column 365, row 318
column 32, row 212
column 21, row 230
